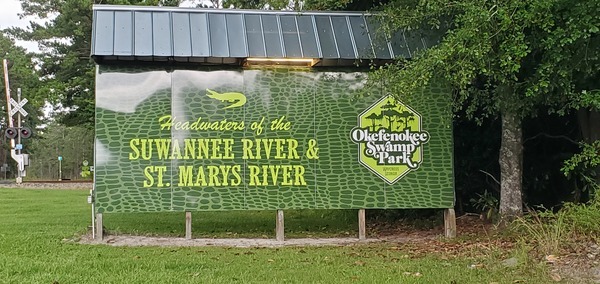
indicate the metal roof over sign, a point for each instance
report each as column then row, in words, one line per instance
column 217, row 36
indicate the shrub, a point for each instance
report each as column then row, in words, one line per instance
column 583, row 219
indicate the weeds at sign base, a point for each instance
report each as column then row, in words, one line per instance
column 547, row 230
column 551, row 232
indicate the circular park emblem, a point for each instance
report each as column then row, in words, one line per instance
column 390, row 139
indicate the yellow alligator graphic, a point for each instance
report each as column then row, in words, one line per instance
column 238, row 99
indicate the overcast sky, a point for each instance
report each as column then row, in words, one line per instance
column 8, row 14
column 9, row 18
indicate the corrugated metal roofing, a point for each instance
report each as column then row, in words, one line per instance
column 216, row 36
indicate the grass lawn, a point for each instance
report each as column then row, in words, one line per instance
column 34, row 224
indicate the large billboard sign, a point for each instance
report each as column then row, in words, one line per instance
column 191, row 140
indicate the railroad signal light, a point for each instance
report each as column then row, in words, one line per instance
column 11, row 133
column 14, row 132
column 25, row 132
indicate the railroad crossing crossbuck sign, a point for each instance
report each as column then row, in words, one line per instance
column 18, row 107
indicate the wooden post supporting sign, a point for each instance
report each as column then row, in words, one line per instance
column 362, row 230
column 188, row 225
column 99, row 231
column 449, row 223
column 279, row 232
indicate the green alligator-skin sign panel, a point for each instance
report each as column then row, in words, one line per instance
column 246, row 139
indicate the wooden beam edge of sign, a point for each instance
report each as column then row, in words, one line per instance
column 449, row 223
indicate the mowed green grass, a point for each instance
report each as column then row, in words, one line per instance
column 35, row 223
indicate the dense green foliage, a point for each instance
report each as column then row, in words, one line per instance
column 347, row 5
column 74, row 144
column 582, row 219
column 493, row 45
column 585, row 166
column 23, row 75
column 505, row 59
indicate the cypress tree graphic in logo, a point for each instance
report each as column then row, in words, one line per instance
column 390, row 139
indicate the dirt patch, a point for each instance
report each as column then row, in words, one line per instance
column 47, row 185
column 125, row 240
column 580, row 264
column 375, row 235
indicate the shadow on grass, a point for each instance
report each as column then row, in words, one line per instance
column 234, row 224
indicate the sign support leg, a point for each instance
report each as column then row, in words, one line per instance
column 93, row 218
column 449, row 223
column 99, row 231
column 188, row 225
column 362, row 230
column 279, row 232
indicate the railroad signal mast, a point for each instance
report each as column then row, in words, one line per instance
column 19, row 132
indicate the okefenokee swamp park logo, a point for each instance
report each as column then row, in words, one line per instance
column 390, row 139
